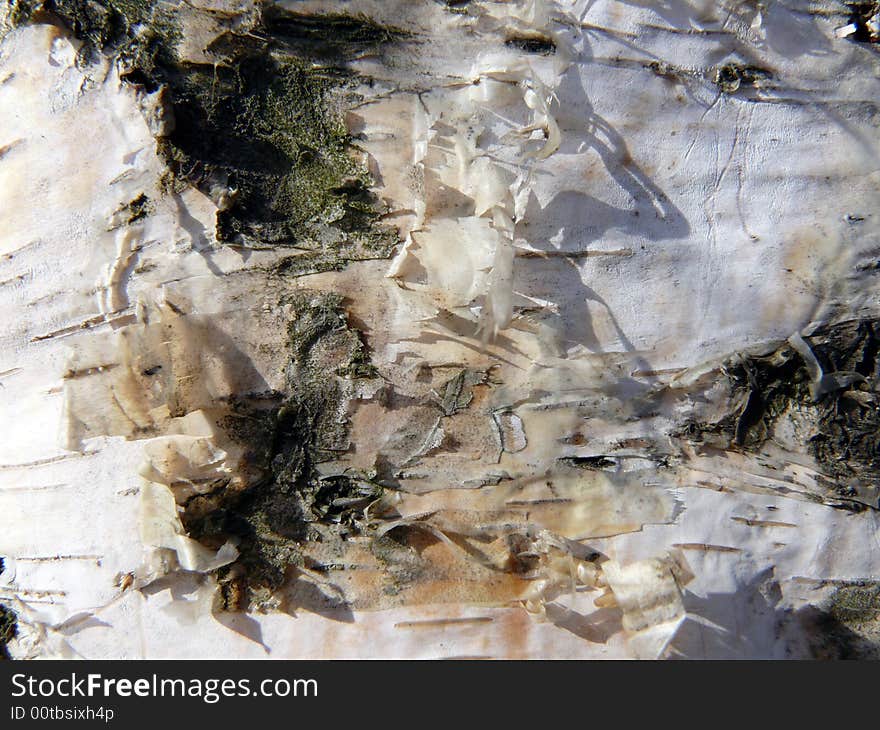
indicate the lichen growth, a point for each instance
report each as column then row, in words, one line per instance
column 289, row 502
column 265, row 122
column 847, row 624
column 260, row 128
column 258, row 125
column 266, row 129
column 8, row 630
column 856, row 605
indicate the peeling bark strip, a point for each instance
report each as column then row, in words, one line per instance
column 545, row 328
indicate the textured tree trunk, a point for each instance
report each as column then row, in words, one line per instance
column 416, row 328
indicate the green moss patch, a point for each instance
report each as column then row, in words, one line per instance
column 289, row 501
column 260, row 127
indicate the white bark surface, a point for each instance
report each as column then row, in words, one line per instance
column 594, row 230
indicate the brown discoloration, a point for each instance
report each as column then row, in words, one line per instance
column 706, row 547
column 443, row 622
column 514, row 634
column 422, row 571
column 761, row 523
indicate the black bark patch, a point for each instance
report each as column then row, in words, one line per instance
column 332, row 36
column 289, row 502
column 8, row 625
column 597, row 463
column 844, row 421
column 865, row 16
column 132, row 211
column 732, row 77
column 538, row 44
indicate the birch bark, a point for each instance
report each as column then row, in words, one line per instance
column 420, row 329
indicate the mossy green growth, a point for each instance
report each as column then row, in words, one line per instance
column 856, row 605
column 291, row 502
column 116, row 26
column 268, row 130
column 847, row 626
column 260, row 128
column 265, row 125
